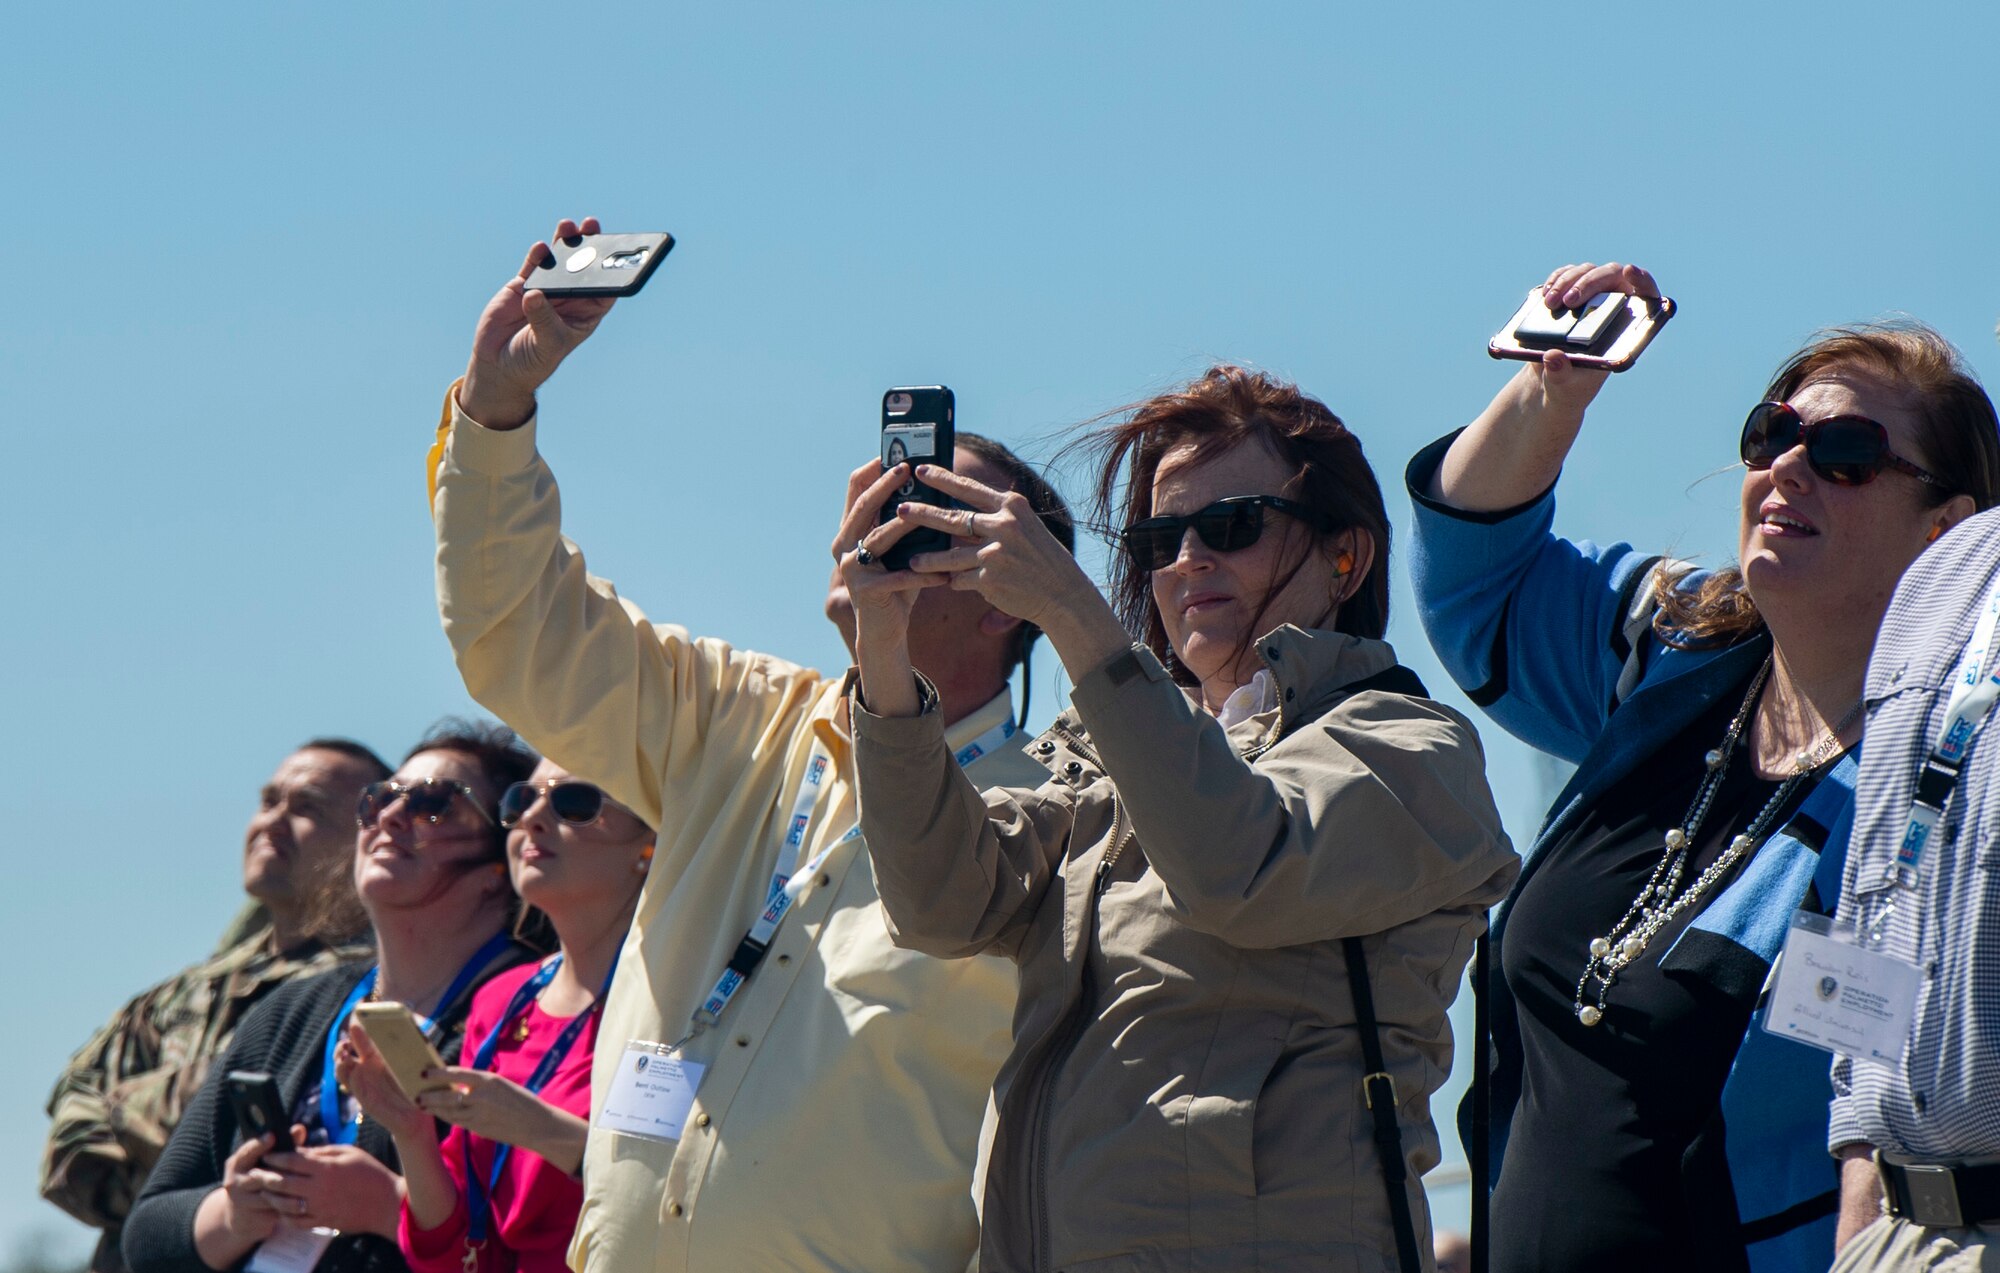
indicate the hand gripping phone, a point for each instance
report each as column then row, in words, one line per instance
column 600, row 264
column 258, row 1108
column 395, row 1034
column 917, row 429
column 1608, row 331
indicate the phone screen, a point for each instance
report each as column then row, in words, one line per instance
column 917, row 428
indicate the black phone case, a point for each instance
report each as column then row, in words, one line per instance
column 258, row 1108
column 586, row 264
column 932, row 405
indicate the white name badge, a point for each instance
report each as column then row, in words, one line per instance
column 290, row 1250
column 1834, row 994
column 652, row 1092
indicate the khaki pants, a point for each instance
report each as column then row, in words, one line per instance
column 1892, row 1244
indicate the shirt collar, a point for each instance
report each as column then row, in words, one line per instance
column 1260, row 694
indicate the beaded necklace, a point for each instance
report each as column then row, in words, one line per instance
column 1663, row 898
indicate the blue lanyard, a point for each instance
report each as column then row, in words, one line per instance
column 331, row 1117
column 788, row 884
column 477, row 1190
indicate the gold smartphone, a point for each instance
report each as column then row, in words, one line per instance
column 395, row 1034
column 1607, row 332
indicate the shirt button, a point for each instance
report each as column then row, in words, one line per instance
column 1046, row 747
column 674, row 1208
column 704, row 1120
column 1917, row 1099
column 742, row 1040
column 824, row 880
column 784, row 959
column 1072, row 769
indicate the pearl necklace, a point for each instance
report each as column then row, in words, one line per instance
column 1662, row 898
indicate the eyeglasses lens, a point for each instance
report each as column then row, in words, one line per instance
column 1230, row 527
column 1771, row 430
column 1846, row 451
column 578, row 803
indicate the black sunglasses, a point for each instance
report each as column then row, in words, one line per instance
column 577, row 803
column 1847, row 450
column 427, row 799
column 1226, row 526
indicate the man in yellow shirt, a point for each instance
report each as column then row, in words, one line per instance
column 838, row 1082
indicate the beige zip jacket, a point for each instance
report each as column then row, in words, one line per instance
column 1184, row 1091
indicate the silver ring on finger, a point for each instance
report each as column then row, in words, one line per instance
column 863, row 557
column 970, row 518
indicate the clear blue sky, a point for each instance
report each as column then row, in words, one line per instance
column 250, row 243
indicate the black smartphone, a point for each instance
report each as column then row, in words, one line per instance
column 601, row 264
column 1609, row 331
column 917, row 429
column 259, row 1111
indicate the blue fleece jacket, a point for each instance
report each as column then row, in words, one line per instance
column 1553, row 639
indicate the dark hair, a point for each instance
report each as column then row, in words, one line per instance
column 1028, row 481
column 503, row 760
column 1228, row 407
column 1958, row 438
column 377, row 768
column 502, row 757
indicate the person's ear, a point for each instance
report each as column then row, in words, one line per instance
column 1949, row 514
column 997, row 623
column 1353, row 557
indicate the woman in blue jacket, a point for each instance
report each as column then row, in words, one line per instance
column 1639, row 1122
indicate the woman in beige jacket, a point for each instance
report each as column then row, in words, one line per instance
column 1238, row 806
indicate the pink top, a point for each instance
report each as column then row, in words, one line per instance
column 534, row 1204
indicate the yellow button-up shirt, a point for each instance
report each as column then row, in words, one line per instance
column 836, row 1125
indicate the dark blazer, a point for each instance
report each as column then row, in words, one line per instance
column 1555, row 641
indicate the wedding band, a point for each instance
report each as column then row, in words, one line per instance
column 864, row 558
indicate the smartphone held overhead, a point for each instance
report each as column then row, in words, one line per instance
column 917, row 428
column 1608, row 332
column 600, row 264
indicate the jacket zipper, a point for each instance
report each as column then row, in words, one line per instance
column 1073, row 1029
column 1277, row 731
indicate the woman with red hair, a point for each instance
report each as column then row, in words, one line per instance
column 1243, row 900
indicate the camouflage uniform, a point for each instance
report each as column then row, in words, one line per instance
column 120, row 1096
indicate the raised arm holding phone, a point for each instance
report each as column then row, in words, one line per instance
column 763, row 1041
column 1639, row 1120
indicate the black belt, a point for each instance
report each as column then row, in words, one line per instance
column 1941, row 1196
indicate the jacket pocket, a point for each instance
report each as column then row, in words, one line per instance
column 1221, row 1135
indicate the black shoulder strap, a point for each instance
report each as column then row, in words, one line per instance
column 1395, row 678
column 1378, row 1091
column 1479, row 1154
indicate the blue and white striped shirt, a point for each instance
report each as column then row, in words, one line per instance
column 1942, row 1102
